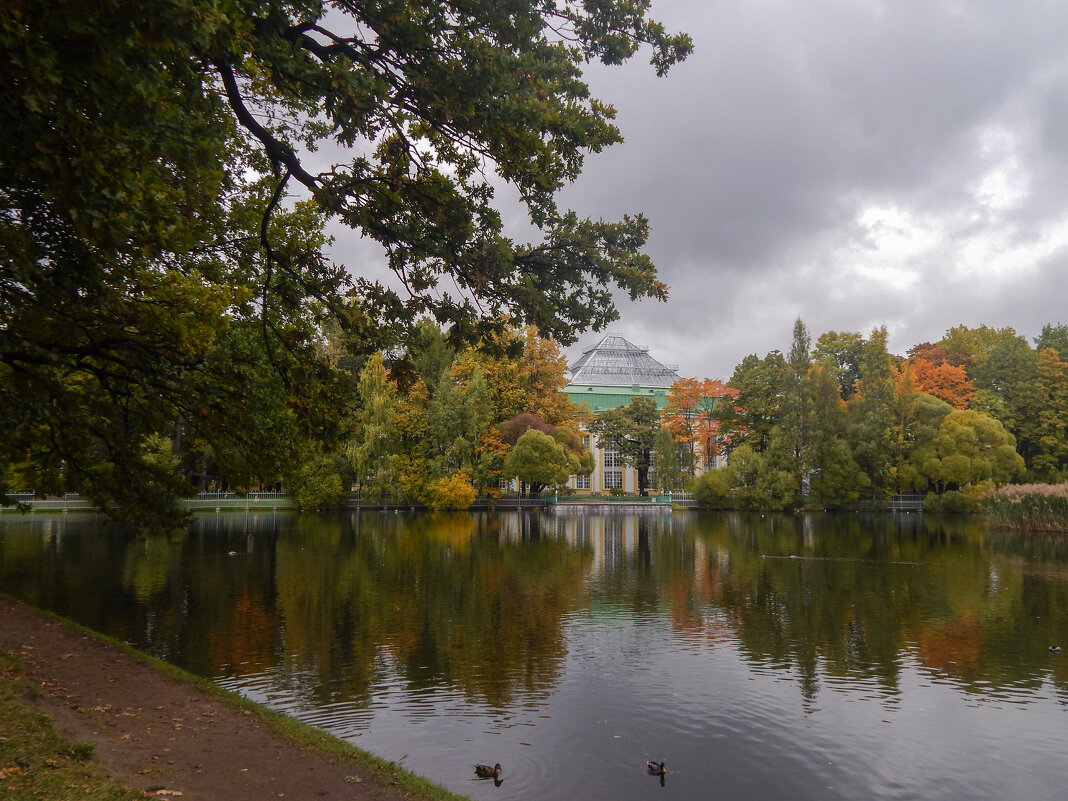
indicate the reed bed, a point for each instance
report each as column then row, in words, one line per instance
column 1030, row 507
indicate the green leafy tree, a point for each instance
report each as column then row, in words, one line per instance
column 970, row 447
column 319, row 483
column 971, row 346
column 797, row 402
column 671, row 461
column 1055, row 337
column 761, row 386
column 373, row 448
column 445, row 443
column 580, row 461
column 840, row 352
column 761, row 480
column 632, row 430
column 485, row 457
column 538, row 461
column 146, row 160
column 873, row 414
column 834, row 478
column 919, row 420
column 1049, row 460
column 1006, row 388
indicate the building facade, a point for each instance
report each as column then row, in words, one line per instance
column 608, row 375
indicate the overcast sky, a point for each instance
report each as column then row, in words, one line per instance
column 856, row 163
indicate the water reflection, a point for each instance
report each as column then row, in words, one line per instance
column 554, row 632
column 481, row 603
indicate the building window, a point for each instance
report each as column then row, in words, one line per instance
column 586, row 442
column 613, row 470
column 582, row 482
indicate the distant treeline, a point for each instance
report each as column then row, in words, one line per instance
column 832, row 423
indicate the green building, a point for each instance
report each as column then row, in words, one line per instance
column 607, row 375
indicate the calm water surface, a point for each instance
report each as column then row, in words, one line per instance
column 786, row 658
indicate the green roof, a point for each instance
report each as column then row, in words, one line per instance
column 600, row 398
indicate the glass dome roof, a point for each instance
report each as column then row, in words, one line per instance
column 615, row 362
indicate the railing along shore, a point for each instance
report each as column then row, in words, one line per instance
column 28, row 501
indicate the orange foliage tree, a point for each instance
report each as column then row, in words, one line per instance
column 943, row 380
column 691, row 415
column 526, row 381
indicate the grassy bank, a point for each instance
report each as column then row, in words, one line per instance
column 35, row 762
column 31, row 753
column 1028, row 507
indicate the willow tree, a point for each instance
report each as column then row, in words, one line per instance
column 147, row 154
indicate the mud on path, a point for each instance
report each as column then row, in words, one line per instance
column 162, row 736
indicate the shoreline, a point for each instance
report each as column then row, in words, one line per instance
column 152, row 725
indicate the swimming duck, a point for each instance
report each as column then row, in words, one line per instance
column 1055, row 649
column 486, row 772
column 656, row 768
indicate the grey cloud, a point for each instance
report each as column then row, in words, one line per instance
column 756, row 159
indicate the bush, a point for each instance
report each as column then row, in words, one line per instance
column 452, row 493
column 711, row 490
column 952, row 502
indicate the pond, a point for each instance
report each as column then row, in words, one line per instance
column 760, row 657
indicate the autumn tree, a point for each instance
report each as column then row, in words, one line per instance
column 693, row 415
column 524, row 374
column 943, row 380
column 147, row 158
column 543, row 368
column 939, row 355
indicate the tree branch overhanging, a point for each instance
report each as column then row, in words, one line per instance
column 280, row 154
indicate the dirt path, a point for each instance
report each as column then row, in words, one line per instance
column 156, row 733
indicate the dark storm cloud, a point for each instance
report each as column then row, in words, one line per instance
column 852, row 163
